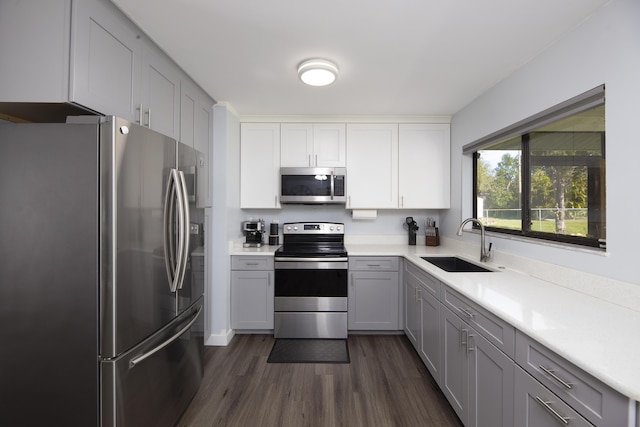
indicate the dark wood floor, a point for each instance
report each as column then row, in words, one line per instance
column 385, row 384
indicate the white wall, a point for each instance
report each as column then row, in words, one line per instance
column 225, row 212
column 603, row 49
column 388, row 222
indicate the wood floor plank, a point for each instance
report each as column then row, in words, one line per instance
column 385, row 385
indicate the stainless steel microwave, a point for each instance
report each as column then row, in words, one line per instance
column 313, row 185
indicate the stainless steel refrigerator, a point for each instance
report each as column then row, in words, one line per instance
column 101, row 281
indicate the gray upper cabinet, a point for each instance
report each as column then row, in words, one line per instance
column 106, row 53
column 159, row 108
column 35, row 38
column 89, row 54
column 196, row 129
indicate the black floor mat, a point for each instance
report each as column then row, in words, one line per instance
column 287, row 350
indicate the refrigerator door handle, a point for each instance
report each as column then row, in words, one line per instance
column 174, row 194
column 184, row 256
column 150, row 353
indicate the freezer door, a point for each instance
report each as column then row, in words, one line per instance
column 152, row 384
column 136, row 299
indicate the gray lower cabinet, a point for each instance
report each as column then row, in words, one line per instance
column 536, row 406
column 252, row 292
column 422, row 324
column 571, row 386
column 493, row 375
column 412, row 321
column 477, row 378
column 374, row 294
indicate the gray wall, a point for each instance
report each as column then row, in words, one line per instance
column 604, row 49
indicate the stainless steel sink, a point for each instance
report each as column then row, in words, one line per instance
column 454, row 264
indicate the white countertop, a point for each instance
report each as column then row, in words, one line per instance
column 596, row 335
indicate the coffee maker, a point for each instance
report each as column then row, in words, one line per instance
column 253, row 231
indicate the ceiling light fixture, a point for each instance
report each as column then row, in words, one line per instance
column 317, row 72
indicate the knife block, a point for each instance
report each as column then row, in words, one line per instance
column 433, row 240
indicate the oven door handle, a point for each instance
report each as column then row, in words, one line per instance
column 321, row 259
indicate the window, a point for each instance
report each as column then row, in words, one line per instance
column 545, row 177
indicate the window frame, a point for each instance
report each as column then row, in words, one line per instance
column 523, row 129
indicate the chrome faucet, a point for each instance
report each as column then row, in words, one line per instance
column 484, row 252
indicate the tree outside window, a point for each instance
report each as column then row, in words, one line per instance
column 547, row 183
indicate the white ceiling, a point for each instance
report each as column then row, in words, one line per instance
column 396, row 57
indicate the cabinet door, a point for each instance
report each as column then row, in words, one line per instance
column 430, row 333
column 259, row 165
column 491, row 388
column 372, row 166
column 454, row 379
column 196, row 130
column 35, row 50
column 373, row 300
column 203, row 143
column 106, row 53
column 412, row 313
column 252, row 298
column 536, row 406
column 160, row 108
column 423, row 172
column 329, row 148
column 296, row 148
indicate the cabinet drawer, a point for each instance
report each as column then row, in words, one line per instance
column 594, row 400
column 536, row 406
column 374, row 263
column 252, row 263
column 415, row 276
column 497, row 331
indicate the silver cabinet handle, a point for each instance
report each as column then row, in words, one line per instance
column 251, row 263
column 373, row 265
column 143, row 356
column 148, row 118
column 464, row 333
column 140, row 110
column 402, row 201
column 555, row 377
column 316, row 160
column 466, row 311
column 470, row 346
column 547, row 406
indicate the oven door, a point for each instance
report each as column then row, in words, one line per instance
column 311, row 299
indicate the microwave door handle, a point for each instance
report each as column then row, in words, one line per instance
column 332, row 185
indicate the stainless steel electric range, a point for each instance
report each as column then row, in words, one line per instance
column 311, row 281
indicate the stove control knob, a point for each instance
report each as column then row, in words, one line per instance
column 339, row 228
column 331, row 228
column 288, row 228
column 295, row 228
